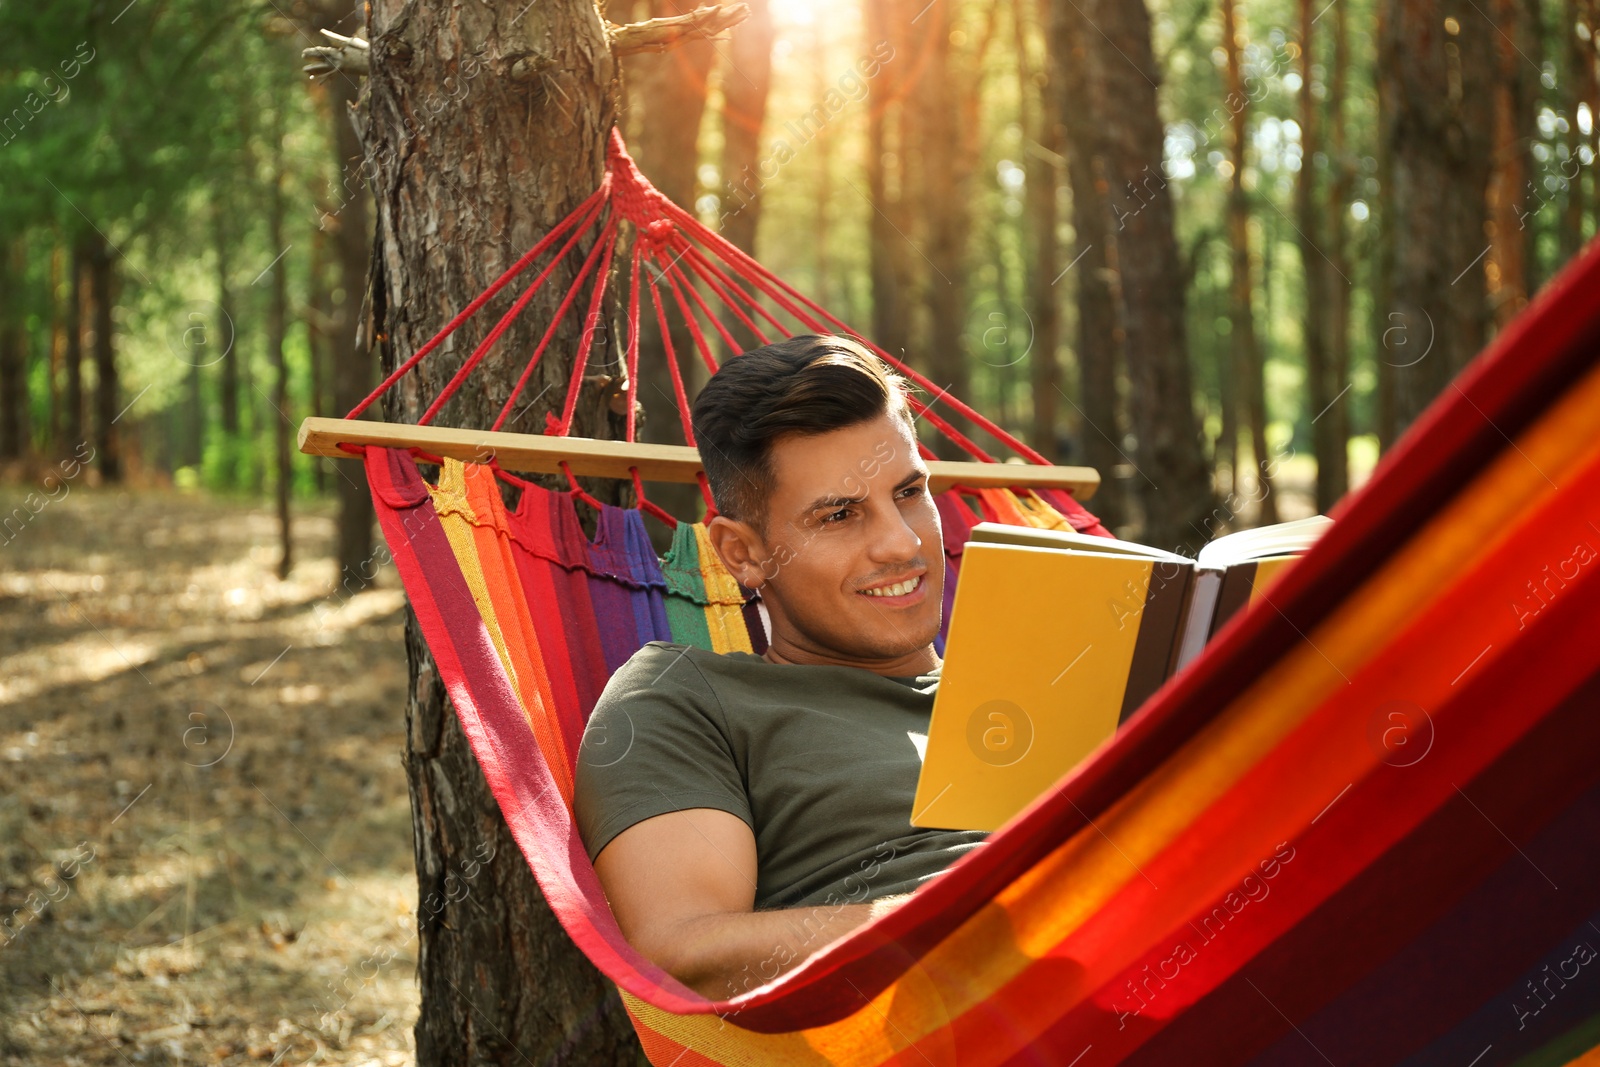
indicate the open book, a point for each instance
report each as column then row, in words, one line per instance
column 1056, row 637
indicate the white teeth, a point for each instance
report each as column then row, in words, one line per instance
column 894, row 590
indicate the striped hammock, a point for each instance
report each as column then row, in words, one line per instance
column 1363, row 828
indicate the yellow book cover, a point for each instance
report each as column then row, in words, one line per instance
column 1036, row 676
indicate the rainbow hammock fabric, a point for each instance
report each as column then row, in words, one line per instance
column 1363, row 828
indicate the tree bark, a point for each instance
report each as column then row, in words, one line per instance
column 468, row 170
column 58, row 340
column 353, row 368
column 888, row 177
column 746, row 80
column 1327, row 445
column 1247, row 359
column 667, row 101
column 318, row 312
column 1333, row 448
column 102, row 294
column 1579, row 86
column 822, row 220
column 1436, row 55
column 13, row 354
column 72, row 360
column 1041, row 136
column 1175, row 486
column 1514, row 106
column 946, row 212
column 228, row 386
column 1578, row 71
column 277, row 330
column 1098, row 345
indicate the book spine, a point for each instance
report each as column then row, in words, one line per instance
column 1164, row 601
column 1237, row 583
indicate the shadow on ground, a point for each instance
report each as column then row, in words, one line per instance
column 205, row 850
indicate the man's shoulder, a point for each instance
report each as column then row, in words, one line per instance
column 662, row 679
column 659, row 665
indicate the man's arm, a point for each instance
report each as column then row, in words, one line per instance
column 683, row 889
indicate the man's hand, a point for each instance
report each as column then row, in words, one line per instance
column 683, row 889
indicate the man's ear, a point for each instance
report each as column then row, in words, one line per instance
column 742, row 549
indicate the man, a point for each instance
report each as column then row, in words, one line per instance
column 742, row 811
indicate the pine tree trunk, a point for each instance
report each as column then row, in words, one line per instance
column 228, row 387
column 277, row 330
column 1333, row 458
column 466, row 176
column 1388, row 338
column 1439, row 139
column 72, row 360
column 822, row 219
column 102, row 294
column 354, row 370
column 1098, row 342
column 1246, row 348
column 13, row 355
column 1327, row 444
column 746, row 79
column 1175, row 485
column 1513, row 125
column 350, row 363
column 1041, row 132
column 58, row 340
column 888, row 163
column 318, row 313
column 1575, row 80
column 667, row 100
column 946, row 211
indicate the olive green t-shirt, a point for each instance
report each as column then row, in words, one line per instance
column 821, row 762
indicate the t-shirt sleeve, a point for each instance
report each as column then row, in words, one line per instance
column 657, row 742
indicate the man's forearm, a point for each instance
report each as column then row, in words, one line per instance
column 723, row 956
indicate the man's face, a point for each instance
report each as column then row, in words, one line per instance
column 853, row 556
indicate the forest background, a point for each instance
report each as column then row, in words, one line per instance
column 1223, row 252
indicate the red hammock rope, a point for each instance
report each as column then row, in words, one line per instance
column 666, row 239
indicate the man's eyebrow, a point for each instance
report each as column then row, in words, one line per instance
column 831, row 501
column 834, row 500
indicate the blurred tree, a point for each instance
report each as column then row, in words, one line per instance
column 891, row 125
column 667, row 93
column 13, row 353
column 277, row 336
column 948, row 91
column 347, row 217
column 1321, row 282
column 1098, row 345
column 1039, row 115
column 72, row 355
column 1438, row 61
column 102, row 297
column 1331, row 443
column 1580, row 91
column 1518, row 49
column 746, row 83
column 1123, row 78
column 1247, row 366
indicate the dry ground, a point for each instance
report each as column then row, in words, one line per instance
column 205, row 839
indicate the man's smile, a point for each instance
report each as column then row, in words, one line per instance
column 902, row 592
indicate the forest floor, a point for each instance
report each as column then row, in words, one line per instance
column 205, row 833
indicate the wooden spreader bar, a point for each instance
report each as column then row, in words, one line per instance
column 538, row 454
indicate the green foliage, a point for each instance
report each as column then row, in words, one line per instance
column 150, row 126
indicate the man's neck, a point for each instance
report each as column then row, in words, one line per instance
column 917, row 662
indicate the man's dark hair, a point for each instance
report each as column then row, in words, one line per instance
column 806, row 385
